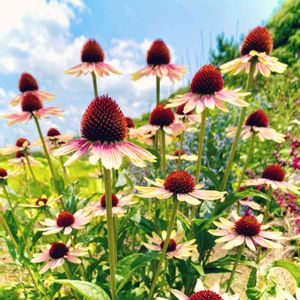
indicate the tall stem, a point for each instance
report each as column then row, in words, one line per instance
column 180, row 149
column 95, row 84
column 238, row 130
column 111, row 234
column 31, row 171
column 248, row 159
column 157, row 89
column 163, row 153
column 65, row 172
column 241, row 249
column 164, row 249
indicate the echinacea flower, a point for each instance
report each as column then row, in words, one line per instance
column 22, row 144
column 41, row 202
column 31, row 105
column 5, row 174
column 158, row 63
column 256, row 47
column 56, row 137
column 207, row 91
column 273, row 176
column 66, row 222
column 119, row 204
column 187, row 117
column 28, row 84
column 250, row 203
column 247, row 229
column 129, row 122
column 176, row 248
column 202, row 293
column 103, row 131
column 183, row 156
column 20, row 159
column 181, row 184
column 257, row 123
column 56, row 254
column 92, row 57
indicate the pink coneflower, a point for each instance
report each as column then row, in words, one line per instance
column 56, row 137
column 183, row 156
column 207, row 91
column 22, row 144
column 129, row 122
column 28, row 84
column 92, row 57
column 187, row 117
column 66, row 221
column 176, row 248
column 257, row 123
column 103, row 131
column 202, row 293
column 20, row 159
column 256, row 47
column 5, row 174
column 158, row 63
column 247, row 229
column 119, row 204
column 56, row 253
column 31, row 105
column 273, row 176
column 181, row 184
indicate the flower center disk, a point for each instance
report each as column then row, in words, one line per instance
column 130, row 122
column 158, row 53
column 53, row 132
column 27, row 83
column 114, row 200
column 92, row 52
column 103, row 121
column 207, row 80
column 58, row 250
column 41, row 201
column 274, row 172
column 20, row 142
column 205, row 295
column 65, row 219
column 3, row 173
column 20, row 154
column 161, row 116
column 258, row 119
column 247, row 226
column 30, row 103
column 179, row 152
column 258, row 39
column 171, row 246
column 180, row 109
column 179, row 182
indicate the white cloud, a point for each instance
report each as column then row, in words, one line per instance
column 38, row 39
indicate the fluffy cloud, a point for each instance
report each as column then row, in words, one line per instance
column 38, row 39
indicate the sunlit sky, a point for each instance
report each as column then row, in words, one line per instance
column 45, row 37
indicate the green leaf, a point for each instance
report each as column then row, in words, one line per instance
column 89, row 290
column 289, row 266
column 128, row 265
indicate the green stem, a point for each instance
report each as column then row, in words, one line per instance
column 163, row 153
column 111, row 234
column 200, row 145
column 69, row 276
column 31, row 170
column 238, row 130
column 248, row 159
column 180, row 149
column 241, row 249
column 164, row 249
column 65, row 172
column 157, row 89
column 95, row 84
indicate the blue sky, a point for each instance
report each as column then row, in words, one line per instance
column 45, row 37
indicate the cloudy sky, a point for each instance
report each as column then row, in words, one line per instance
column 45, row 37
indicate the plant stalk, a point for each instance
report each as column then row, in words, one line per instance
column 95, row 84
column 157, row 89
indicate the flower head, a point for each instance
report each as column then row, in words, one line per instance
column 20, row 158
column 256, row 48
column 92, row 57
column 247, row 229
column 161, row 116
column 182, row 185
column 257, row 123
column 182, row 155
column 158, row 63
column 273, row 176
column 129, row 122
column 176, row 248
column 207, row 90
column 66, row 221
column 56, row 253
column 22, row 144
column 103, row 131
column 5, row 174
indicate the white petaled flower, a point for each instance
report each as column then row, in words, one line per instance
column 203, row 293
column 273, row 176
column 182, row 155
column 66, row 222
column 119, row 204
column 22, row 144
column 257, row 123
column 176, row 248
column 247, row 229
column 103, row 133
column 158, row 63
column 20, row 159
column 92, row 57
column 28, row 84
column 181, row 184
column 207, row 91
column 256, row 47
column 56, row 254
column 31, row 105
